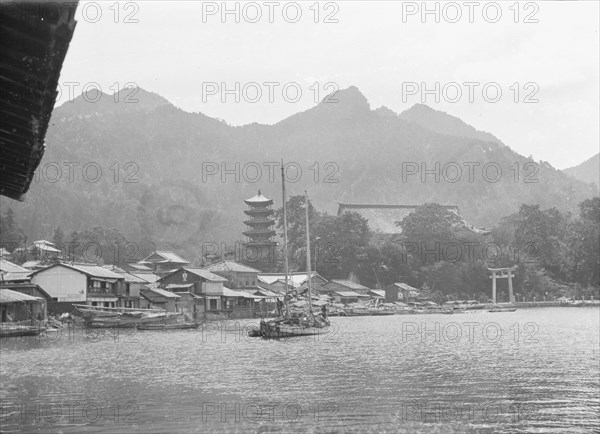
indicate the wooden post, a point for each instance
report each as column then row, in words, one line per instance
column 494, row 287
column 511, row 296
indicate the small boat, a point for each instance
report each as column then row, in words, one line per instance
column 306, row 324
column 380, row 312
column 502, row 309
column 15, row 330
column 131, row 322
column 173, row 326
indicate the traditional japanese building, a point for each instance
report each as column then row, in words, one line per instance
column 259, row 248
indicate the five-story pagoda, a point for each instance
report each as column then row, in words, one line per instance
column 259, row 248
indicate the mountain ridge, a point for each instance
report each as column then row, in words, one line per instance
column 192, row 171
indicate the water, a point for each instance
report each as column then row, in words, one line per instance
column 414, row 373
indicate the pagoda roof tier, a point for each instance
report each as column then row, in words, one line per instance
column 259, row 211
column 264, row 232
column 252, row 222
column 259, row 243
column 259, row 199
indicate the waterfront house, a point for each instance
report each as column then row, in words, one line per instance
column 400, row 292
column 347, row 297
column 376, row 293
column 161, row 299
column 163, row 261
column 336, row 285
column 296, row 280
column 238, row 276
column 79, row 283
column 128, row 291
column 19, row 307
column 198, row 288
column 14, row 273
column 195, row 280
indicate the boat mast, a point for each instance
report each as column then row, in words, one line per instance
column 308, row 253
column 285, row 242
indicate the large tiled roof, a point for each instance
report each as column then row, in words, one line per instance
column 383, row 218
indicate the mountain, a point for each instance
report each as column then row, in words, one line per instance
column 443, row 123
column 588, row 171
column 152, row 170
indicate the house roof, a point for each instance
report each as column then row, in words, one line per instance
column 166, row 255
column 225, row 265
column 349, row 284
column 9, row 267
column 10, row 296
column 162, row 292
column 46, row 246
column 231, row 293
column 201, row 272
column 88, row 269
column 94, row 271
column 31, row 264
column 404, row 286
column 12, row 277
column 172, row 286
column 378, row 292
column 295, row 279
column 383, row 218
column 347, row 294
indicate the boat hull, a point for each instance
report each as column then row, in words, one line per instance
column 9, row 332
column 278, row 331
column 168, row 326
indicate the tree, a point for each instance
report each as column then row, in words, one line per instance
column 58, row 238
column 11, row 234
column 296, row 220
column 589, row 209
column 429, row 228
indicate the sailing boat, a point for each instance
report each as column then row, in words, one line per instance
column 305, row 323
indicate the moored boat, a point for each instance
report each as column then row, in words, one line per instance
column 502, row 309
column 173, row 326
column 8, row 330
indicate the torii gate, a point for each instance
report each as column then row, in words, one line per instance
column 502, row 273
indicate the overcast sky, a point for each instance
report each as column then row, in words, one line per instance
column 178, row 49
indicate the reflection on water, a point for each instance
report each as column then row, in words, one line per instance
column 532, row 370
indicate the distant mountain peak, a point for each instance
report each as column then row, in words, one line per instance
column 444, row 123
column 588, row 171
column 95, row 101
column 349, row 97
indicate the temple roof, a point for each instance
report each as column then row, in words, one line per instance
column 259, row 198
